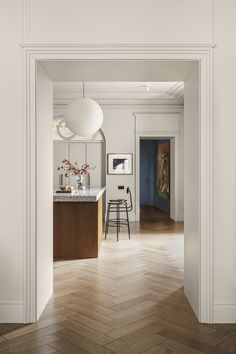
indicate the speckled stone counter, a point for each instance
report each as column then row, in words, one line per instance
column 88, row 195
column 77, row 224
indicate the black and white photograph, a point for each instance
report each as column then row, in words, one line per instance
column 119, row 164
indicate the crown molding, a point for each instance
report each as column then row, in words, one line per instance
column 128, row 103
column 129, row 46
column 177, row 90
column 122, row 101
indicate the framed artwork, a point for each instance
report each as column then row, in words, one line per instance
column 120, row 164
column 163, row 170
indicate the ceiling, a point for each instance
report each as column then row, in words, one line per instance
column 98, row 90
column 118, row 79
column 117, row 70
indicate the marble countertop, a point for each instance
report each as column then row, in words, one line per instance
column 88, row 195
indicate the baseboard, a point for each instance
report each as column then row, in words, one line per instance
column 224, row 312
column 11, row 312
column 181, row 216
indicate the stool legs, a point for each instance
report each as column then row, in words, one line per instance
column 127, row 216
column 107, row 221
column 117, row 222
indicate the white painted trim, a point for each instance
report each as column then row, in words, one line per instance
column 30, row 240
column 126, row 96
column 11, row 311
column 201, row 53
column 177, row 90
column 119, row 46
column 173, row 150
column 132, row 105
column 224, row 312
column 206, row 188
column 127, row 101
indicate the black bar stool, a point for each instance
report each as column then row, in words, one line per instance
column 118, row 206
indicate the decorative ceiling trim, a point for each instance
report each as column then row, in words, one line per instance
column 119, row 47
column 124, row 103
column 177, row 90
column 167, row 101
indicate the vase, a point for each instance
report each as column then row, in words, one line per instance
column 80, row 183
column 87, row 181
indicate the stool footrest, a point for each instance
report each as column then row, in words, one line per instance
column 117, row 206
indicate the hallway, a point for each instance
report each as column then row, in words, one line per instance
column 130, row 300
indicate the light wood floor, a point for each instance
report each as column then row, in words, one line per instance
column 130, row 300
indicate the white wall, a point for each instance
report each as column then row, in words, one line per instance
column 80, row 152
column 110, row 21
column 192, row 191
column 12, row 218
column 119, row 128
column 44, row 161
column 224, row 213
column 143, row 22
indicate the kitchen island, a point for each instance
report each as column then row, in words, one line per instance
column 77, row 224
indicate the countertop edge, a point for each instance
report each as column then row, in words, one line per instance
column 82, row 197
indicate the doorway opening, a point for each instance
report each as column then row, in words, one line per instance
column 155, row 192
column 192, row 78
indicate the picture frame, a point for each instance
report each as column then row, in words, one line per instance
column 120, row 164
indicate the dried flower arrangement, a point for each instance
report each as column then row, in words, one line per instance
column 74, row 169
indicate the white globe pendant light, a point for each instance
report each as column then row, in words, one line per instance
column 84, row 116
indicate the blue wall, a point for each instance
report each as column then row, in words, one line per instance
column 148, row 175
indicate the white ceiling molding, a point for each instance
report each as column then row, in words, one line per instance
column 177, row 90
column 126, row 101
column 164, row 104
column 126, row 93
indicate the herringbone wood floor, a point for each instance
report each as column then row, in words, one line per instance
column 130, row 300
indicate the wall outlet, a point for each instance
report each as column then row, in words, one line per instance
column 121, row 187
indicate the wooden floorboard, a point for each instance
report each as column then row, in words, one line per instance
column 130, row 300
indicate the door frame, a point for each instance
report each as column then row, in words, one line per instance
column 198, row 53
column 174, row 172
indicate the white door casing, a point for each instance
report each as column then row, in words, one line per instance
column 171, row 123
column 196, row 53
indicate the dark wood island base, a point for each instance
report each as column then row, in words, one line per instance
column 77, row 229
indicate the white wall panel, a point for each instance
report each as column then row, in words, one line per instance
column 60, row 152
column 153, row 122
column 81, row 153
column 12, row 222
column 118, row 127
column 112, row 21
column 44, row 160
column 192, row 191
column 77, row 153
column 95, row 158
column 224, row 248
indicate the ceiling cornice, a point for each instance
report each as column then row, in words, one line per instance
column 112, row 101
column 177, row 90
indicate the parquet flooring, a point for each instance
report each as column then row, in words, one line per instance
column 128, row 301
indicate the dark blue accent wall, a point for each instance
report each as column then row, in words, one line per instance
column 148, row 175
